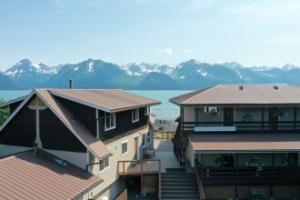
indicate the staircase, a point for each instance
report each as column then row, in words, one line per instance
column 177, row 184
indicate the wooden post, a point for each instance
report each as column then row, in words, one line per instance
column 262, row 118
column 237, row 175
column 295, row 118
column 142, row 176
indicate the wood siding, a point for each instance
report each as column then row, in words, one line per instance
column 21, row 130
column 56, row 136
column 123, row 123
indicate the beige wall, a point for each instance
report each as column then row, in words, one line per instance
column 110, row 175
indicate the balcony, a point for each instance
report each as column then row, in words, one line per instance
column 133, row 167
column 249, row 175
column 241, row 126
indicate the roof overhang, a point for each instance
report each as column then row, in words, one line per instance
column 7, row 103
column 245, row 143
column 105, row 109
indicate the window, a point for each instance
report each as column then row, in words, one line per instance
column 135, row 115
column 104, row 163
column 110, row 121
column 148, row 137
column 124, row 147
column 144, row 139
column 147, row 110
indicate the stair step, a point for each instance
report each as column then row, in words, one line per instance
column 175, row 170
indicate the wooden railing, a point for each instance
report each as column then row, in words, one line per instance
column 164, row 135
column 246, row 126
column 244, row 175
column 131, row 167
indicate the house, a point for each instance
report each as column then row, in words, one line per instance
column 243, row 140
column 104, row 133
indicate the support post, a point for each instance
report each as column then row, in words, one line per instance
column 295, row 118
column 262, row 118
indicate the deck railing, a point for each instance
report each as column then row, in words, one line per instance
column 245, row 126
column 131, row 167
column 250, row 174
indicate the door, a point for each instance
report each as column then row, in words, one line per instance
column 273, row 118
column 228, row 116
column 136, row 148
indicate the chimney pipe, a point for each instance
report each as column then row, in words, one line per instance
column 70, row 84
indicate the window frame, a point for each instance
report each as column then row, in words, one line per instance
column 104, row 162
column 137, row 115
column 109, row 116
column 123, row 143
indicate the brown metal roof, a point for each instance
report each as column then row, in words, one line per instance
column 33, row 177
column 245, row 142
column 97, row 147
column 242, row 94
column 109, row 100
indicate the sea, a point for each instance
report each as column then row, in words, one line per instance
column 166, row 110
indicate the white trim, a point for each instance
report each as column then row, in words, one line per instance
column 97, row 124
column 37, row 127
column 17, row 110
column 147, row 110
column 7, row 103
column 124, row 142
column 105, row 167
column 114, row 118
column 138, row 115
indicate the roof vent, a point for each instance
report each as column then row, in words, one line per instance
column 241, row 87
column 275, row 87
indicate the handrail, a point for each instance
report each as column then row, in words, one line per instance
column 139, row 166
column 201, row 190
column 245, row 126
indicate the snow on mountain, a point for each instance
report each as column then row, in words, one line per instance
column 26, row 66
column 142, row 69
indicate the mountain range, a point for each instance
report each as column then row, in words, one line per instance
column 92, row 73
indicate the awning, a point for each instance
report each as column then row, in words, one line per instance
column 265, row 142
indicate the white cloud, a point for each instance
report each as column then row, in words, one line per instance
column 264, row 11
column 186, row 51
column 166, row 51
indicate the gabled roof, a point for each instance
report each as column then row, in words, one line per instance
column 109, row 100
column 267, row 142
column 94, row 145
column 242, row 94
column 41, row 176
column 6, row 103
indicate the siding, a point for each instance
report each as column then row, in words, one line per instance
column 123, row 123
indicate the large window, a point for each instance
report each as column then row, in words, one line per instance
column 135, row 115
column 110, row 121
column 124, row 147
column 104, row 163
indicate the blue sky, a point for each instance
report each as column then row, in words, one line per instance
column 252, row 32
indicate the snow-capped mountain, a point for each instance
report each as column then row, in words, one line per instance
column 142, row 69
column 191, row 74
column 27, row 75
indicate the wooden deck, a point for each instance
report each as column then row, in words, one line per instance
column 136, row 167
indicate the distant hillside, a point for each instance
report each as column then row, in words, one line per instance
column 93, row 73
